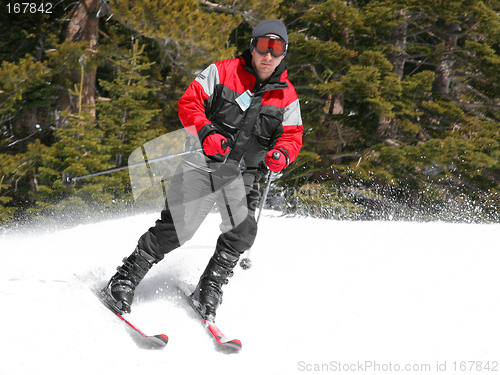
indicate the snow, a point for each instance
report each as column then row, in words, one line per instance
column 322, row 296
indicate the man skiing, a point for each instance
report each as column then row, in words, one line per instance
column 245, row 114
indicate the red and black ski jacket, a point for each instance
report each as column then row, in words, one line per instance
column 272, row 120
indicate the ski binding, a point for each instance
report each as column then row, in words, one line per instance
column 222, row 341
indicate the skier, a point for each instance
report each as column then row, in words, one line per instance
column 245, row 113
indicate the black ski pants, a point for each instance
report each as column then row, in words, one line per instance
column 191, row 196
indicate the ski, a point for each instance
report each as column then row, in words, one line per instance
column 141, row 339
column 222, row 341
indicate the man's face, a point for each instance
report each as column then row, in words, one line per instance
column 264, row 65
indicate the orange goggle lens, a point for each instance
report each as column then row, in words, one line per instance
column 263, row 45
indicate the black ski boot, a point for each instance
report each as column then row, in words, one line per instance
column 207, row 295
column 119, row 293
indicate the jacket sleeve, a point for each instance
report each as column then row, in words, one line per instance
column 192, row 104
column 290, row 142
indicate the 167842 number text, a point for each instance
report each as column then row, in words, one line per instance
column 25, row 8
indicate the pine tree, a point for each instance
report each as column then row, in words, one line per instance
column 24, row 88
column 397, row 97
column 409, row 104
column 79, row 150
column 190, row 38
column 27, row 81
column 126, row 116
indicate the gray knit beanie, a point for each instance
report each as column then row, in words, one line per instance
column 273, row 26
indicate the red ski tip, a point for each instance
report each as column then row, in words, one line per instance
column 156, row 340
column 236, row 344
column 162, row 340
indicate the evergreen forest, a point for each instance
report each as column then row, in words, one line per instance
column 400, row 101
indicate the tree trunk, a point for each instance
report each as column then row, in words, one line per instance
column 336, row 104
column 441, row 83
column 334, row 140
column 84, row 27
column 398, row 39
column 387, row 128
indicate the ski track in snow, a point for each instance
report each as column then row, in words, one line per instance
column 320, row 293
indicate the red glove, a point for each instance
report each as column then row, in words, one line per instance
column 215, row 144
column 275, row 160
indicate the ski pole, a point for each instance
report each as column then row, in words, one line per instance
column 67, row 179
column 246, row 263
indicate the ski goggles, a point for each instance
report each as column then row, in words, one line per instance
column 265, row 44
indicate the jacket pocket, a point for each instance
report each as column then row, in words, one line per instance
column 228, row 116
column 270, row 126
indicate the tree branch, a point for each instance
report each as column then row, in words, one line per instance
column 470, row 88
column 219, row 7
column 247, row 15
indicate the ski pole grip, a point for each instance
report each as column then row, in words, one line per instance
column 276, row 155
column 224, row 145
